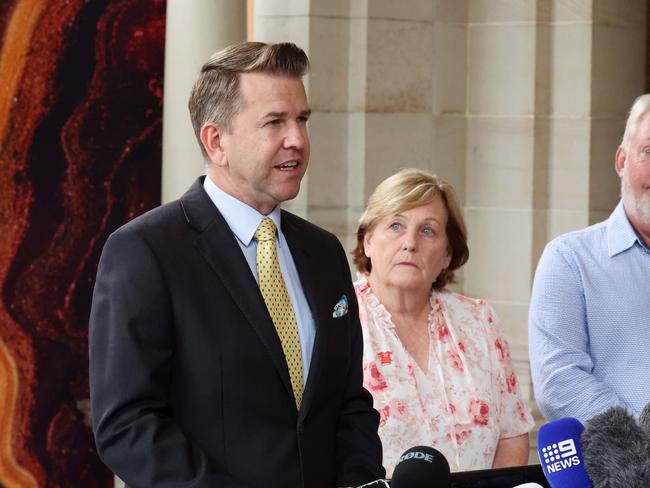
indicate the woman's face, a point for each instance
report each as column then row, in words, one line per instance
column 410, row 249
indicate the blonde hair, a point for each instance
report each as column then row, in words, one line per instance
column 405, row 190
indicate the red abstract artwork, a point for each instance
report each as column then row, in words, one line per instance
column 80, row 154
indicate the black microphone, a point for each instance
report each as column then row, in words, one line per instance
column 418, row 467
column 615, row 450
column 421, row 467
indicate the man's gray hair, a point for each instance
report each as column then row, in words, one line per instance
column 640, row 107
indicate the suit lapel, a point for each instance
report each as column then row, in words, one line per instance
column 308, row 270
column 219, row 247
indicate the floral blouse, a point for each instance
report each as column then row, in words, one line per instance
column 467, row 400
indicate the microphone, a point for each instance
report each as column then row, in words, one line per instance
column 418, row 467
column 616, row 450
column 644, row 419
column 560, row 452
column 421, row 467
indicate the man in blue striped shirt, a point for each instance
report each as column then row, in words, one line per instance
column 589, row 318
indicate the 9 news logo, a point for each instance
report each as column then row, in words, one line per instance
column 559, row 456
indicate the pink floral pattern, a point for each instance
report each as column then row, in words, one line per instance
column 466, row 401
column 374, row 381
column 479, row 410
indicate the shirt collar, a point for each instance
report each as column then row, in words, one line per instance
column 620, row 234
column 242, row 219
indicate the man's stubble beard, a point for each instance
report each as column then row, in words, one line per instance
column 638, row 206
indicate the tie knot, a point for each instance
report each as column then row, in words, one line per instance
column 266, row 230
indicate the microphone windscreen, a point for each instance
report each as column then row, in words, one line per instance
column 421, row 467
column 644, row 419
column 616, row 450
column 560, row 452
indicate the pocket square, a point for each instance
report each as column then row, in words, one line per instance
column 341, row 307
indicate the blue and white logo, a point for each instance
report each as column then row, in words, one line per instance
column 560, row 455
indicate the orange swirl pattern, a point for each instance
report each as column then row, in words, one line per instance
column 80, row 152
column 16, row 40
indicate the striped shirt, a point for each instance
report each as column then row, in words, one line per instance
column 589, row 321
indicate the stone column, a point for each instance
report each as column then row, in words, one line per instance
column 548, row 85
column 500, row 162
column 370, row 91
column 195, row 29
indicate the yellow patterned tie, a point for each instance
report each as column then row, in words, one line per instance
column 278, row 303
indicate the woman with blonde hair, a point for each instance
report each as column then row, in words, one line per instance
column 436, row 362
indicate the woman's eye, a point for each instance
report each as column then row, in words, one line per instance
column 395, row 226
column 428, row 231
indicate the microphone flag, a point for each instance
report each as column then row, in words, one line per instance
column 560, row 453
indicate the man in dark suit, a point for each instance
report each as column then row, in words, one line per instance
column 199, row 376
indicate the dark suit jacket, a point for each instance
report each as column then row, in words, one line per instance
column 189, row 385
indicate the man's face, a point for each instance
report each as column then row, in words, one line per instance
column 265, row 154
column 633, row 167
